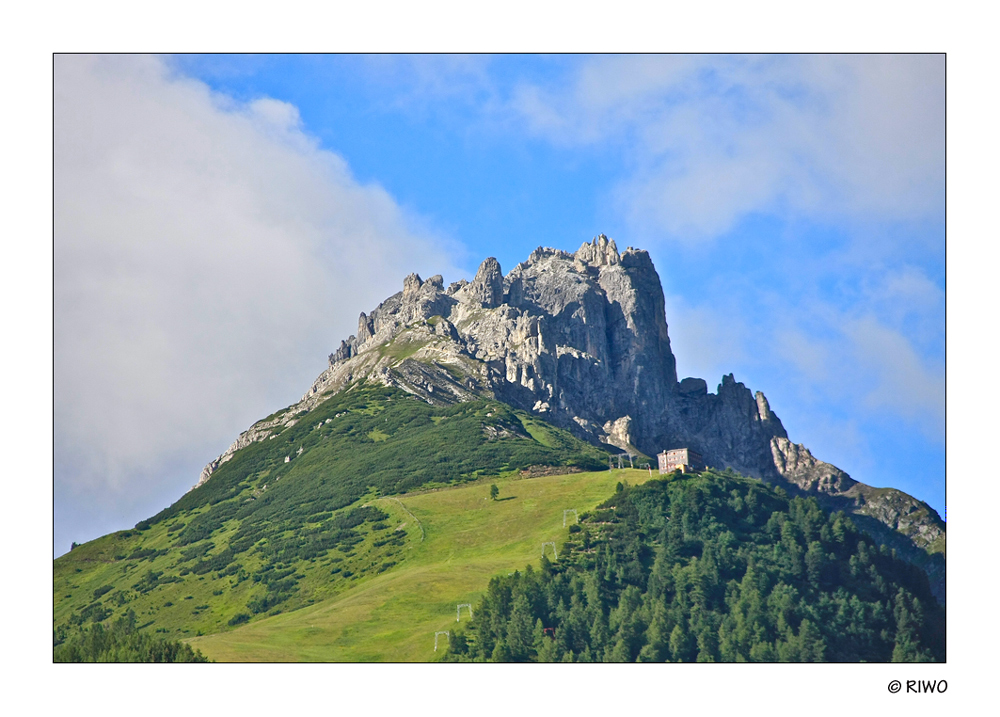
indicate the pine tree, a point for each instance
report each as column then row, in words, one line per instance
column 599, row 634
column 812, row 646
column 657, row 644
column 501, row 653
column 815, row 561
column 708, row 639
column 545, row 647
column 519, row 629
column 907, row 644
column 681, row 644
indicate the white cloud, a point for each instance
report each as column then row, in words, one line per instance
column 904, row 383
column 272, row 116
column 907, row 297
column 860, row 364
column 422, row 83
column 810, row 357
column 208, row 255
column 713, row 139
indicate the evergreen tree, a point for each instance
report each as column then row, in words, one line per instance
column 545, row 647
column 680, row 644
column 520, row 639
column 501, row 653
column 812, row 646
column 907, row 615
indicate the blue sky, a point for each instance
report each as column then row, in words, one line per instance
column 222, row 220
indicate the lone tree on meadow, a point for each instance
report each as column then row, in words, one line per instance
column 494, row 492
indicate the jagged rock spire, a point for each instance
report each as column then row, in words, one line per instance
column 411, row 285
column 486, row 289
column 599, row 252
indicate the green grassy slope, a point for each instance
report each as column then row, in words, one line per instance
column 265, row 535
column 461, row 541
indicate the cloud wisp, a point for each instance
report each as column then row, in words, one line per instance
column 208, row 255
column 713, row 139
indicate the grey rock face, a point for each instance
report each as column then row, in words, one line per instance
column 796, row 464
column 696, row 386
column 580, row 339
column 619, row 434
column 486, row 290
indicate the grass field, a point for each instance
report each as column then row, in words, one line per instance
column 457, row 540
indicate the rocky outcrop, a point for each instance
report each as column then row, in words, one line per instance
column 581, row 340
column 257, row 432
column 486, row 290
column 797, row 465
column 619, row 434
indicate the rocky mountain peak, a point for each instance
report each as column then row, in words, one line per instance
column 579, row 338
column 599, row 252
column 411, row 285
column 486, row 290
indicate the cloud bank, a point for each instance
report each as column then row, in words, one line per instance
column 208, row 255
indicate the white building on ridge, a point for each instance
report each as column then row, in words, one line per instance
column 683, row 459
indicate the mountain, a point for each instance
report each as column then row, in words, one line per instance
column 348, row 525
column 580, row 340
